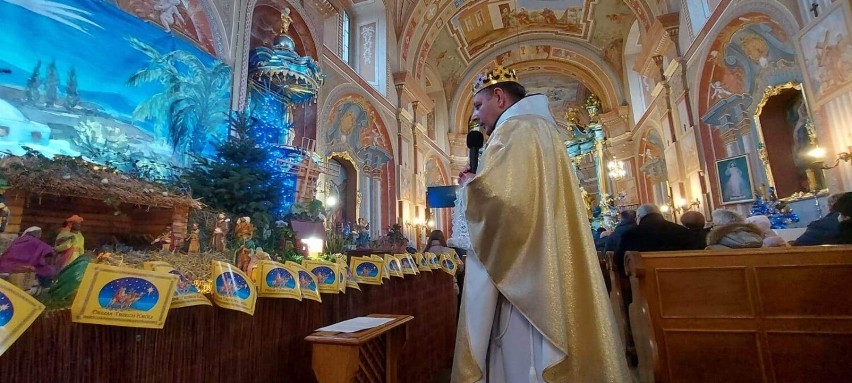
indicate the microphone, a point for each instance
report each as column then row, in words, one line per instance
column 475, row 139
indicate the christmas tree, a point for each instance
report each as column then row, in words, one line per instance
column 243, row 179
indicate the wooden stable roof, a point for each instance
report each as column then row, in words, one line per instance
column 75, row 177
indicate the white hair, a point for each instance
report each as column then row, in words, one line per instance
column 646, row 209
column 726, row 217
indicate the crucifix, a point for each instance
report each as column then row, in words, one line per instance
column 815, row 9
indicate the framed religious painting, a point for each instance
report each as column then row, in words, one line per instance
column 825, row 53
column 735, row 182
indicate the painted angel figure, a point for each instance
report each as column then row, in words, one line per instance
column 169, row 12
column 719, row 91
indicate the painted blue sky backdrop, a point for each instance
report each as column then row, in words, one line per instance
column 95, row 44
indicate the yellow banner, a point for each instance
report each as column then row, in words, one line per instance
column 123, row 296
column 422, row 262
column 394, row 266
column 307, row 281
column 351, row 282
column 344, row 277
column 385, row 266
column 18, row 310
column 276, row 281
column 448, row 264
column 367, row 270
column 434, row 260
column 232, row 289
column 408, row 265
column 185, row 294
column 327, row 275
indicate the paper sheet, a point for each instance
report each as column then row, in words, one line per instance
column 356, row 324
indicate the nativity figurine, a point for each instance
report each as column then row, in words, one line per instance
column 194, row 246
column 217, row 242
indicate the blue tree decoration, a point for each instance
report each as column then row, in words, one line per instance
column 780, row 215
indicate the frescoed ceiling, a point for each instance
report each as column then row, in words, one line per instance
column 458, row 37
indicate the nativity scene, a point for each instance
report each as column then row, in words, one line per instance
column 598, row 190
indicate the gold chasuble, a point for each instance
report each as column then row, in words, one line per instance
column 532, row 246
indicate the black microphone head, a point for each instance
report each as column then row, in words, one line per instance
column 475, row 139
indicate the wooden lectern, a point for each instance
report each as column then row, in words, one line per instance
column 364, row 356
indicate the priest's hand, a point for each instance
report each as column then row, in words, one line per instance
column 465, row 175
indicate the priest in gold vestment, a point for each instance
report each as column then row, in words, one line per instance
column 534, row 306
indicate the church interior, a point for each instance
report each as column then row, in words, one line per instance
column 139, row 115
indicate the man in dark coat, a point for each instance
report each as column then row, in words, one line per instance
column 652, row 233
column 627, row 222
column 825, row 230
column 694, row 222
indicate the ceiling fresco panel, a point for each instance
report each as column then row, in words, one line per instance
column 480, row 25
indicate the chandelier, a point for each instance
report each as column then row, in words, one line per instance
column 616, row 170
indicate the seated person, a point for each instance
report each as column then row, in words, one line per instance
column 600, row 237
column 730, row 231
column 824, row 230
column 770, row 237
column 695, row 222
column 627, row 222
column 652, row 233
column 843, row 206
column 28, row 253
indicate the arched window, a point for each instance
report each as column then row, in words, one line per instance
column 345, row 35
column 699, row 12
column 632, row 48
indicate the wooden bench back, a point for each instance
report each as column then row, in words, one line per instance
column 616, row 299
column 756, row 315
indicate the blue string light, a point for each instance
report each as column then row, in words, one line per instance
column 272, row 126
column 777, row 211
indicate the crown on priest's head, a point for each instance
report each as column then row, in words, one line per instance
column 494, row 76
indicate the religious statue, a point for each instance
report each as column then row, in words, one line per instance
column 244, row 230
column 70, row 243
column 219, row 232
column 257, row 256
column 589, row 201
column 27, row 262
column 242, row 258
column 593, row 106
column 571, row 116
column 4, row 216
column 194, row 246
column 363, row 239
column 286, row 20
column 166, row 241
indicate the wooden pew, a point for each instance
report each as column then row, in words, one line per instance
column 604, row 270
column 756, row 315
column 616, row 299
